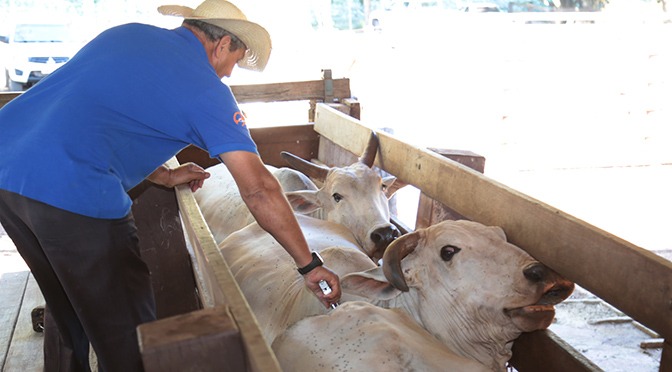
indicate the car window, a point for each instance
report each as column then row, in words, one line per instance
column 41, row 33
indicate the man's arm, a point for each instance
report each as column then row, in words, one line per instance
column 186, row 173
column 265, row 199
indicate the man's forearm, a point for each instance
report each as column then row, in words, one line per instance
column 278, row 219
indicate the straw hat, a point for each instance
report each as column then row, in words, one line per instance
column 223, row 14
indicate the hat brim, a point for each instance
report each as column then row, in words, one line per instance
column 255, row 37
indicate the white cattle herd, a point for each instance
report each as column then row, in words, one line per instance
column 355, row 196
column 451, row 297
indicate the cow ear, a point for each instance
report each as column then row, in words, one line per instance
column 303, row 202
column 370, row 284
column 392, row 185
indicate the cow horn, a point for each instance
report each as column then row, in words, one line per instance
column 311, row 170
column 392, row 257
column 369, row 155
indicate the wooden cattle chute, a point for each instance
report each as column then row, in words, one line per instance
column 632, row 279
column 636, row 281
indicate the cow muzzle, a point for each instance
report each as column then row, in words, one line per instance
column 539, row 315
column 381, row 238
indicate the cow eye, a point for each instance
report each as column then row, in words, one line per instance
column 448, row 251
column 337, row 197
column 384, row 187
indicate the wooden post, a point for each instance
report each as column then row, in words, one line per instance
column 203, row 340
column 164, row 250
column 431, row 211
column 328, row 86
column 666, row 357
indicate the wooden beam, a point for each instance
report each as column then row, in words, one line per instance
column 165, row 252
column 632, row 279
column 300, row 140
column 294, row 91
column 5, row 97
column 545, row 351
column 202, row 340
column 274, row 92
column 217, row 279
column 431, row 211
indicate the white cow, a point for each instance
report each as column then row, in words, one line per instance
column 355, row 196
column 224, row 209
column 267, row 275
column 459, row 280
column 359, row 336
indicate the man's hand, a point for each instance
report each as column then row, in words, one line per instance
column 190, row 173
column 312, row 279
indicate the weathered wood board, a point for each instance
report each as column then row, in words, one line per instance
column 296, row 91
column 300, row 140
column 203, row 340
column 163, row 248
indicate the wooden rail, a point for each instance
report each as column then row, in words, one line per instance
column 217, row 284
column 632, row 279
column 330, row 90
column 296, row 91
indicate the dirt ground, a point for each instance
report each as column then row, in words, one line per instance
column 575, row 115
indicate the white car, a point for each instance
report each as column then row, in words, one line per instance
column 31, row 51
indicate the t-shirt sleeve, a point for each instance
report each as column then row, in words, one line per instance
column 219, row 123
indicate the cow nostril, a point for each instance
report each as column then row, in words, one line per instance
column 535, row 272
column 384, row 235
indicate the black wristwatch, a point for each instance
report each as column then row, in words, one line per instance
column 317, row 261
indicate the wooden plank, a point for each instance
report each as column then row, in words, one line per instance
column 12, row 287
column 163, row 248
column 294, row 91
column 545, row 351
column 632, row 279
column 203, row 340
column 301, row 140
column 274, row 92
column 219, row 280
column 431, row 211
column 25, row 352
column 5, row 97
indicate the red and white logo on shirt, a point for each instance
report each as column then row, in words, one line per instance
column 239, row 118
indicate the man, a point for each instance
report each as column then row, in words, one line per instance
column 74, row 144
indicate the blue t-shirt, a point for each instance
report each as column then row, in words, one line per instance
column 127, row 102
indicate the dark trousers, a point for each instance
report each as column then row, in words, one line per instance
column 96, row 287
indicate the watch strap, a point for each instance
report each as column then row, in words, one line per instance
column 317, row 261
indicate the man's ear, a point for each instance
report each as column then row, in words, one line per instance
column 221, row 45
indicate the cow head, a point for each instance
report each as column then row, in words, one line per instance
column 467, row 286
column 355, row 196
